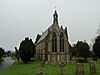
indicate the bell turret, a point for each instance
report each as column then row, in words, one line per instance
column 55, row 17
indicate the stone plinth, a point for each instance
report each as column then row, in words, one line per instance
column 39, row 73
column 92, row 66
column 79, row 69
column 42, row 63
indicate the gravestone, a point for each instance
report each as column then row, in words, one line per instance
column 42, row 63
column 92, row 66
column 39, row 73
column 73, row 60
column 62, row 65
column 79, row 69
column 46, row 62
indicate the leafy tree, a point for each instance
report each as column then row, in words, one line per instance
column 26, row 50
column 17, row 53
column 2, row 52
column 8, row 53
column 73, row 50
column 82, row 49
column 96, row 47
column 37, row 38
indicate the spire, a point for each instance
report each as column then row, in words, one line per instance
column 55, row 17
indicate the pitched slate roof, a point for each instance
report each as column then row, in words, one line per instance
column 55, row 25
column 46, row 32
column 43, row 36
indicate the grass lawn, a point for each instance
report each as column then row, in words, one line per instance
column 19, row 68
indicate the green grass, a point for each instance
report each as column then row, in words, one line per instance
column 19, row 68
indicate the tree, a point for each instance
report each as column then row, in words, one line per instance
column 26, row 50
column 37, row 38
column 73, row 50
column 17, row 53
column 82, row 49
column 2, row 52
column 8, row 53
column 96, row 47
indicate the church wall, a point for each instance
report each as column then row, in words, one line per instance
column 52, row 56
column 40, row 47
column 44, row 48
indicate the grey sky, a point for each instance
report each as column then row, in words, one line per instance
column 22, row 18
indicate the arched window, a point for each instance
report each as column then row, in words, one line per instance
column 54, row 42
column 61, row 42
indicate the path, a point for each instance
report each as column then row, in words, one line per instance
column 7, row 62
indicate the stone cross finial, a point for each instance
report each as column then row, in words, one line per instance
column 61, row 68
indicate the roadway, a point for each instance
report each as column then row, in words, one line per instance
column 6, row 63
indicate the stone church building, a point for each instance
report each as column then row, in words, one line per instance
column 53, row 45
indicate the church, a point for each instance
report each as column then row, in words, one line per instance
column 53, row 45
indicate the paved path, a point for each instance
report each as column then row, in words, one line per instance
column 7, row 62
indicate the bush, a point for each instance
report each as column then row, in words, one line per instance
column 26, row 50
column 2, row 52
column 80, row 60
column 94, row 58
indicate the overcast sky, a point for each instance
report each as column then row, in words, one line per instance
column 27, row 18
